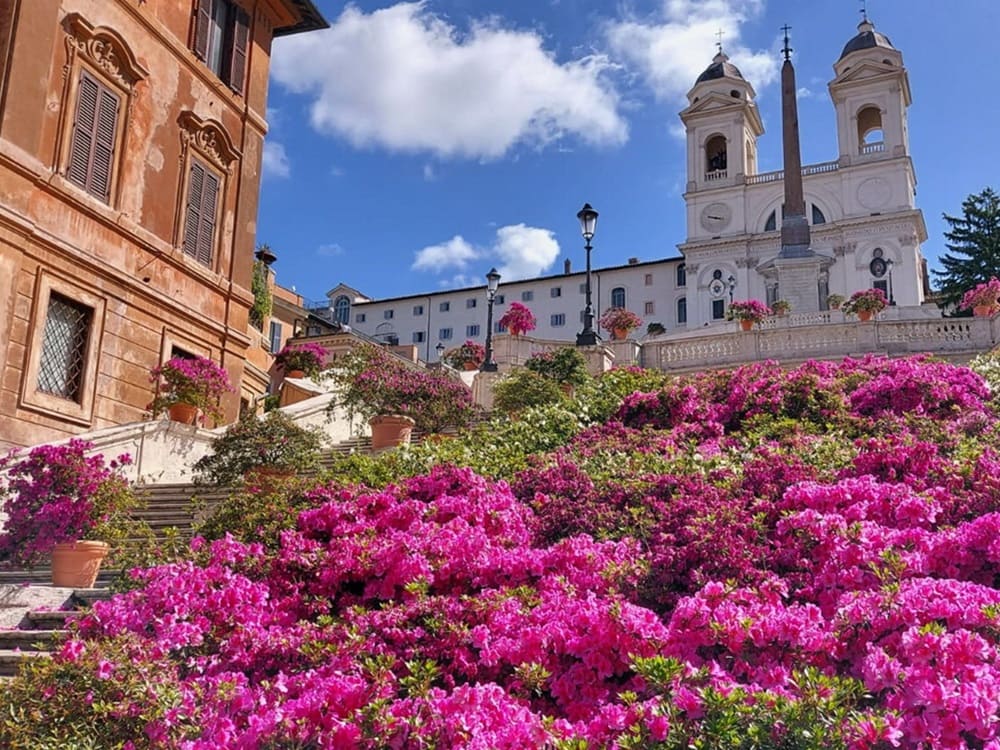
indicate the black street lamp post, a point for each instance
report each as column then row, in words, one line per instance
column 889, row 264
column 440, row 352
column 492, row 282
column 588, row 223
column 732, row 287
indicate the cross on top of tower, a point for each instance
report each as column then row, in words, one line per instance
column 864, row 10
column 718, row 44
column 787, row 50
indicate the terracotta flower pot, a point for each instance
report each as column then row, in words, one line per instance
column 390, row 431
column 267, row 478
column 469, row 366
column 76, row 564
column 183, row 413
column 295, row 374
column 619, row 334
column 982, row 311
column 745, row 324
column 865, row 315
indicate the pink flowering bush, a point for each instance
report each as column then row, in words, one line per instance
column 518, row 319
column 865, row 300
column 751, row 309
column 619, row 319
column 752, row 559
column 986, row 294
column 308, row 357
column 58, row 494
column 194, row 381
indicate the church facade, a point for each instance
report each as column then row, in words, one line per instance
column 864, row 229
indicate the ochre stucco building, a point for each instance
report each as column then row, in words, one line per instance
column 131, row 134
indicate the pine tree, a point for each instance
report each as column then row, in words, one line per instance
column 973, row 244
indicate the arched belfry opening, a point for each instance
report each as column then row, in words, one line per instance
column 870, row 134
column 716, row 159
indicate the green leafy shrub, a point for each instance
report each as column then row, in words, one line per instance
column 523, row 388
column 565, row 365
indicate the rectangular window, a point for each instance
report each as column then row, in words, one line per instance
column 470, row 303
column 649, row 279
column 360, row 318
column 418, row 309
column 94, row 136
column 650, row 308
column 221, row 39
column 583, row 288
column 444, row 334
column 200, row 216
column 718, row 309
column 527, row 296
column 275, row 337
column 418, row 337
column 497, row 328
column 64, row 348
column 388, row 314
column 882, row 284
column 558, row 320
column 499, row 299
column 472, row 331
column 555, row 291
column 444, row 307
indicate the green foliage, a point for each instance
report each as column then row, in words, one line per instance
column 564, row 365
column 973, row 244
column 655, row 329
column 260, row 311
column 274, row 441
column 258, row 515
column 599, row 398
column 987, row 365
column 523, row 388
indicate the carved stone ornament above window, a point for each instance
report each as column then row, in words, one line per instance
column 105, row 49
column 209, row 138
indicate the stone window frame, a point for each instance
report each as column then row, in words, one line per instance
column 81, row 411
column 208, row 143
column 105, row 56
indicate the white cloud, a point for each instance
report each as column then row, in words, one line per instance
column 330, row 250
column 405, row 79
column 519, row 251
column 455, row 253
column 672, row 49
column 429, row 174
column 525, row 251
column 274, row 160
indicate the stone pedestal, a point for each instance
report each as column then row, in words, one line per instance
column 482, row 389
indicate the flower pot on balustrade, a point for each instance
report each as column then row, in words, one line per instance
column 469, row 366
column 390, row 431
column 76, row 564
column 865, row 315
column 983, row 311
column 183, row 413
column 295, row 374
column 619, row 334
column 745, row 324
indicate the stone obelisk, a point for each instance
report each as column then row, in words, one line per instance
column 794, row 227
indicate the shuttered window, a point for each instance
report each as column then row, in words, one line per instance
column 200, row 215
column 222, row 40
column 95, row 131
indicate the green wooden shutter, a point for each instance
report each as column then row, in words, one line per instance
column 105, row 130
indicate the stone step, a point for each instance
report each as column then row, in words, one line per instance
column 10, row 661
column 30, row 640
column 55, row 619
column 87, row 597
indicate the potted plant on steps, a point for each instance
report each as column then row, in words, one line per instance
column 301, row 360
column 469, row 356
column 187, row 386
column 260, row 452
column 781, row 308
column 60, row 501
column 566, row 366
column 835, row 301
column 395, row 397
column 865, row 304
column 619, row 322
column 518, row 319
column 982, row 299
column 748, row 312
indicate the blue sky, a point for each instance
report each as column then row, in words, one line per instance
column 415, row 145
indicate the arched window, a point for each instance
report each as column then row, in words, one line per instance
column 870, row 135
column 342, row 309
column 618, row 296
column 682, row 277
column 715, row 154
column 771, row 224
column 818, row 217
column 682, row 311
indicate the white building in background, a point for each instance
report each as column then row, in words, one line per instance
column 864, row 228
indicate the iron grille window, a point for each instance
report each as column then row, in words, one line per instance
column 200, row 217
column 64, row 348
column 95, row 127
column 221, row 38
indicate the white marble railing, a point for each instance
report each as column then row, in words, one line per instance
column 799, row 337
column 821, row 168
column 872, row 148
column 716, row 174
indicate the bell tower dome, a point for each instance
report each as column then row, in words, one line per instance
column 870, row 93
column 723, row 125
